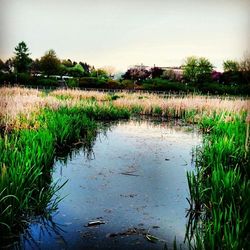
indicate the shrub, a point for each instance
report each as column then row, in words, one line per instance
column 165, row 85
column 92, row 82
column 72, row 83
column 127, row 84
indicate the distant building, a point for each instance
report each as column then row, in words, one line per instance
column 165, row 68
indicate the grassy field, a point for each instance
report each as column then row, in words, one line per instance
column 35, row 126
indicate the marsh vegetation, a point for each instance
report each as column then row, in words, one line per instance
column 37, row 126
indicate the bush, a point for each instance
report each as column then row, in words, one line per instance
column 6, row 78
column 112, row 84
column 92, row 82
column 24, row 78
column 164, row 85
column 44, row 81
column 220, row 89
column 72, row 83
column 127, row 84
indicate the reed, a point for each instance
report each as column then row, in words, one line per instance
column 36, row 126
column 28, row 153
column 219, row 191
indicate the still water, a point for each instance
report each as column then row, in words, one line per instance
column 134, row 182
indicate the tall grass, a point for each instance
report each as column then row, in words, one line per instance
column 220, row 189
column 36, row 126
column 27, row 155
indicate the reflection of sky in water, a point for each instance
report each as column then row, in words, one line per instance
column 135, row 178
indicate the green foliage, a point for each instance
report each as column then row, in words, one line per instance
column 72, row 83
column 127, row 84
column 197, row 69
column 92, row 82
column 230, row 65
column 22, row 61
column 113, row 84
column 49, row 63
column 27, row 156
column 219, row 191
column 165, row 85
column 100, row 74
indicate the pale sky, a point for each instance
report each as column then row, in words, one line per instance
column 127, row 32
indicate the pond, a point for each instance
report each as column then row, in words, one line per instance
column 132, row 184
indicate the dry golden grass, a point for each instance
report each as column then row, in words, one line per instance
column 77, row 94
column 15, row 101
column 197, row 103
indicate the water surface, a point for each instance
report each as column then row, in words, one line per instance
column 134, row 182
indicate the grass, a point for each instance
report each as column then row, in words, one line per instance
column 35, row 126
column 220, row 189
column 28, row 153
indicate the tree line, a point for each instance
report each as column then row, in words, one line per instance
column 197, row 73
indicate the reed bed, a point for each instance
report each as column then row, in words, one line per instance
column 76, row 94
column 43, row 125
column 199, row 104
column 46, row 127
column 220, row 188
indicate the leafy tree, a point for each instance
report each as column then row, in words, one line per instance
column 21, row 59
column 138, row 74
column 50, row 64
column 67, row 63
column 35, row 66
column 216, row 76
column 2, row 67
column 86, row 68
column 156, row 72
column 77, row 70
column 8, row 65
column 99, row 73
column 197, row 69
column 245, row 67
column 230, row 65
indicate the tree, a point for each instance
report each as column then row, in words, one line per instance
column 230, row 65
column 110, row 70
column 99, row 73
column 86, row 68
column 245, row 67
column 35, row 66
column 9, row 65
column 156, row 72
column 197, row 69
column 2, row 66
column 22, row 60
column 49, row 63
column 77, row 70
column 67, row 63
column 137, row 74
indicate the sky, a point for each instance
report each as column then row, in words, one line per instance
column 122, row 33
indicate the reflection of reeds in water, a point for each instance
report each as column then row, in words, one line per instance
column 42, row 123
column 27, row 155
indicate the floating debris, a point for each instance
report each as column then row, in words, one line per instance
column 130, row 173
column 128, row 195
column 151, row 238
column 155, row 227
column 129, row 231
column 95, row 223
